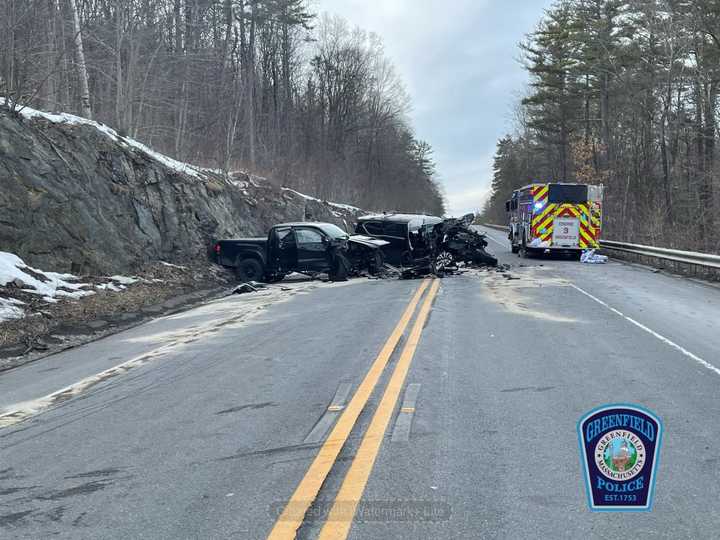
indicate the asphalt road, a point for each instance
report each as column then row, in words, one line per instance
column 239, row 418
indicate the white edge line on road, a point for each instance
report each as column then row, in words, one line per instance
column 662, row 338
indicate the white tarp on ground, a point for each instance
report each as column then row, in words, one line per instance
column 590, row 257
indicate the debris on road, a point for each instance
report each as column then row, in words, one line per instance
column 539, row 243
column 252, row 286
column 590, row 257
column 463, row 244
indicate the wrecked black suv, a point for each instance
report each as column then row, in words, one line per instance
column 306, row 247
column 409, row 236
column 422, row 244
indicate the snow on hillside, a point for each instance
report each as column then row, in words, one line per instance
column 345, row 207
column 192, row 170
column 49, row 285
column 9, row 309
column 71, row 119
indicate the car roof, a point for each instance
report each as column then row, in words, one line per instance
column 319, row 224
column 400, row 218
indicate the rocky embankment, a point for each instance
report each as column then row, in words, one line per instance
column 81, row 207
column 76, row 197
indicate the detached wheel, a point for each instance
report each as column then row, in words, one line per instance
column 249, row 270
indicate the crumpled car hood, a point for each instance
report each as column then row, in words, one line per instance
column 367, row 241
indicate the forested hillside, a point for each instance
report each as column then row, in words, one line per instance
column 624, row 93
column 262, row 85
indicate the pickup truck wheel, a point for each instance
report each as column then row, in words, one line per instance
column 249, row 270
column 340, row 268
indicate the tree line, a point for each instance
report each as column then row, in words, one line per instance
column 623, row 93
column 260, row 85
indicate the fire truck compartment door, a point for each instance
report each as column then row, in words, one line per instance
column 566, row 232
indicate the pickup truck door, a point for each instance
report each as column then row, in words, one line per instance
column 311, row 250
column 284, row 248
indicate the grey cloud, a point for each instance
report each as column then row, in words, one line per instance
column 459, row 62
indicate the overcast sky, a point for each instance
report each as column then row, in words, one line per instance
column 459, row 61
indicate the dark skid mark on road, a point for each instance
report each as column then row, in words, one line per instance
column 93, row 474
column 82, row 489
column 251, row 406
column 10, row 491
column 529, row 389
column 271, row 451
column 47, row 370
column 15, row 519
column 77, row 522
column 56, row 514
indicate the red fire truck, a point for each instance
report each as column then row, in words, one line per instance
column 555, row 217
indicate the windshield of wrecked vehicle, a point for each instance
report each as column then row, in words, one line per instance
column 395, row 229
column 373, row 228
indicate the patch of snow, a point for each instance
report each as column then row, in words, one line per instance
column 12, row 268
column 124, row 280
column 9, row 309
column 173, row 265
column 212, row 171
column 346, row 207
column 71, row 119
column 110, row 287
column 306, row 197
column 49, row 285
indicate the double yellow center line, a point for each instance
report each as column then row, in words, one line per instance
column 347, row 499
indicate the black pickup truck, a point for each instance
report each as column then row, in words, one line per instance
column 307, row 248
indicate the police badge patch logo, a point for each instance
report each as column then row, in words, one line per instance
column 620, row 447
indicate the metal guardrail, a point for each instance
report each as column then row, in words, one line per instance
column 674, row 255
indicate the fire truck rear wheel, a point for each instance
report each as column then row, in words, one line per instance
column 523, row 251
